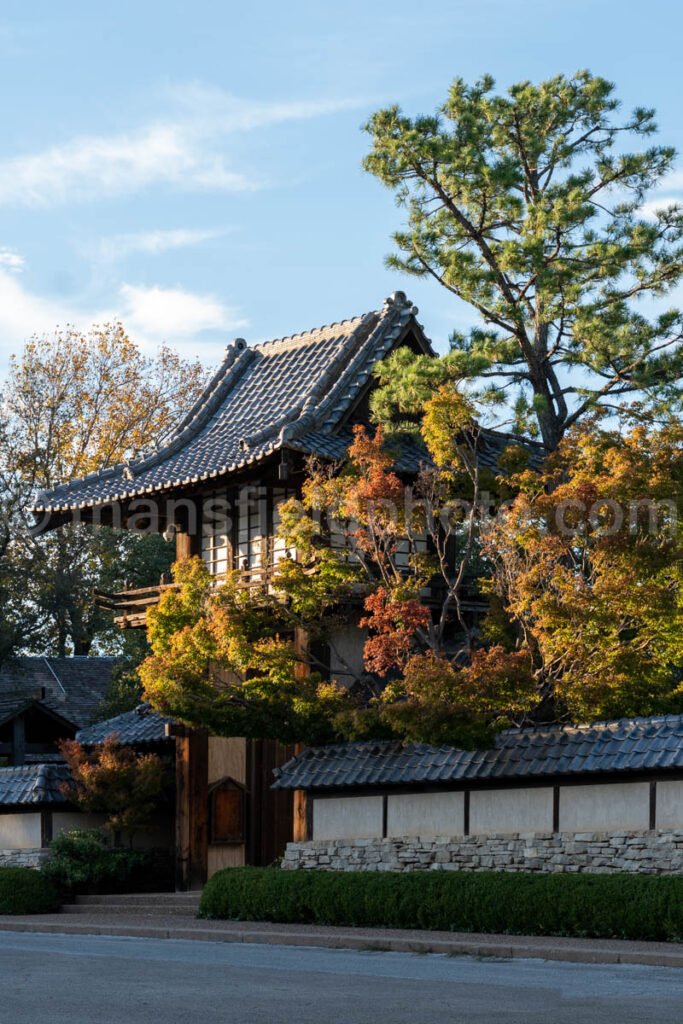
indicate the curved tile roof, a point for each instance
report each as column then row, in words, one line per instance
column 291, row 392
column 629, row 745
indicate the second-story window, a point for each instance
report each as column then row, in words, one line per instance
column 240, row 530
column 217, row 516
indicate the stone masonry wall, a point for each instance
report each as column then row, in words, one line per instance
column 657, row 852
column 23, row 858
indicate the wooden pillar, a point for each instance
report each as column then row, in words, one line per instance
column 183, row 546
column 302, row 810
column 19, row 741
column 301, row 803
column 192, row 799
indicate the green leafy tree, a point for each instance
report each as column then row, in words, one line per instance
column 528, row 208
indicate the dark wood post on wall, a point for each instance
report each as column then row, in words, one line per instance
column 192, row 807
column 301, row 810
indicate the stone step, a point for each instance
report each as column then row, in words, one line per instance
column 165, row 899
column 122, row 910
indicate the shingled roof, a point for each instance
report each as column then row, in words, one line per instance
column 292, row 393
column 140, row 726
column 627, row 745
column 33, row 784
column 73, row 687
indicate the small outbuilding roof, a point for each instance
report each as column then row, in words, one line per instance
column 33, row 784
column 626, row 745
column 73, row 687
column 140, row 726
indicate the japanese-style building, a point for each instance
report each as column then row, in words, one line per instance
column 215, row 484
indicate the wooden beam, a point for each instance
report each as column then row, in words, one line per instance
column 192, row 809
column 199, row 789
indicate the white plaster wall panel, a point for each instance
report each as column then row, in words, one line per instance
column 20, row 831
column 347, row 817
column 346, row 653
column 670, row 804
column 504, row 811
column 618, row 805
column 425, row 814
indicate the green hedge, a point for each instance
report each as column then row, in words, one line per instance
column 600, row 906
column 83, row 861
column 26, row 891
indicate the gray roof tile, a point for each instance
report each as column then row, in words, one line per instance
column 628, row 745
column 33, row 784
column 139, row 726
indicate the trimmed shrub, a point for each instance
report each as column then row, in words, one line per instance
column 598, row 906
column 84, row 862
column 26, row 891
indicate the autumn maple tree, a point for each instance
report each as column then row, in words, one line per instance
column 587, row 565
column 115, row 780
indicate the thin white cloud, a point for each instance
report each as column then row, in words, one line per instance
column 170, row 314
column 183, row 152
column 194, row 324
column 651, row 208
column 12, row 260
column 117, row 247
column 95, row 167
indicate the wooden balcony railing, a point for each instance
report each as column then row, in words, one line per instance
column 130, row 606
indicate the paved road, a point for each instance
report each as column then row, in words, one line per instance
column 64, row 979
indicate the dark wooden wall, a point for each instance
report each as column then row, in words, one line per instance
column 270, row 812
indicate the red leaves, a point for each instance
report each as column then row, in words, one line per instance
column 393, row 623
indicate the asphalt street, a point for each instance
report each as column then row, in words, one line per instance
column 65, row 979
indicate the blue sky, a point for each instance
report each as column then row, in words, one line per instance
column 194, row 168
